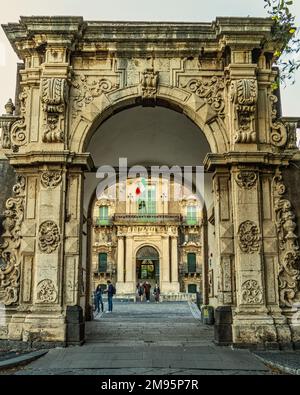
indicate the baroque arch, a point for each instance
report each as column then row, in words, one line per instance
column 77, row 74
column 188, row 103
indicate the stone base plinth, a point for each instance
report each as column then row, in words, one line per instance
column 167, row 287
column 125, row 288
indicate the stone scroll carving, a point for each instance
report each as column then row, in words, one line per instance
column 10, row 248
column 251, row 292
column 246, row 179
column 13, row 127
column 51, row 179
column 289, row 255
column 212, row 91
column 46, row 292
column 49, row 237
column 279, row 134
column 86, row 89
column 53, row 96
column 244, row 97
column 249, row 237
column 149, row 83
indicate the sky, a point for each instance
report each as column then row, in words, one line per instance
column 133, row 10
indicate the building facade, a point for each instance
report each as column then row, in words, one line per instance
column 78, row 75
column 149, row 237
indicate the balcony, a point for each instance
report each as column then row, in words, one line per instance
column 147, row 218
column 191, row 221
column 97, row 222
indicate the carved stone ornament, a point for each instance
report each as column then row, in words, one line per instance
column 53, row 96
column 10, row 248
column 251, row 292
column 51, row 179
column 289, row 255
column 149, row 83
column 46, row 292
column 279, row 134
column 246, row 179
column 249, row 238
column 212, row 91
column 244, row 97
column 86, row 89
column 49, row 237
column 291, row 128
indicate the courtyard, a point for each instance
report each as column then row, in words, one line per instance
column 151, row 339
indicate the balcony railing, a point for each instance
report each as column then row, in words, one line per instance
column 191, row 221
column 108, row 221
column 147, row 218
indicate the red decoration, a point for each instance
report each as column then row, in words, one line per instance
column 138, row 191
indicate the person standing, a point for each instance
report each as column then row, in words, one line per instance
column 110, row 293
column 140, row 291
column 147, row 287
column 156, row 293
column 98, row 299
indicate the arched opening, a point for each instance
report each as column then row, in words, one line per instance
column 122, row 229
column 147, row 266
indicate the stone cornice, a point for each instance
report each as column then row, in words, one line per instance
column 87, row 36
column 212, row 161
column 37, row 158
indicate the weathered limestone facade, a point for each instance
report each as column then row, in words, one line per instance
column 77, row 74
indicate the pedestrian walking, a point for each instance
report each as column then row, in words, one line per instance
column 156, row 293
column 98, row 299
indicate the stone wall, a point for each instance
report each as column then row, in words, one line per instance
column 7, row 181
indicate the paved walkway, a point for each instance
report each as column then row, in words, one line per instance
column 153, row 339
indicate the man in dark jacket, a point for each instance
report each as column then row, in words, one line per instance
column 110, row 293
column 147, row 287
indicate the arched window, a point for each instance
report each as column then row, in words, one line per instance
column 102, row 262
column 191, row 261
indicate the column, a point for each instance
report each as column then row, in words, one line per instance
column 120, row 272
column 129, row 286
column 174, row 264
column 165, row 265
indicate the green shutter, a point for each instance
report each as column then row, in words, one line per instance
column 191, row 262
column 102, row 262
column 103, row 215
column 192, row 288
column 191, row 215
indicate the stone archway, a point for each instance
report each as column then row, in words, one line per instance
column 81, row 74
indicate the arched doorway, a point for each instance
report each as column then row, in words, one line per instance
column 148, row 265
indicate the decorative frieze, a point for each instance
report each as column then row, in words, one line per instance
column 246, row 179
column 279, row 134
column 149, row 83
column 46, row 292
column 244, row 97
column 51, row 179
column 49, row 237
column 249, row 237
column 289, row 255
column 86, row 89
column 10, row 248
column 211, row 90
column 251, row 292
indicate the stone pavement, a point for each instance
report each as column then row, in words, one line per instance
column 152, row 339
